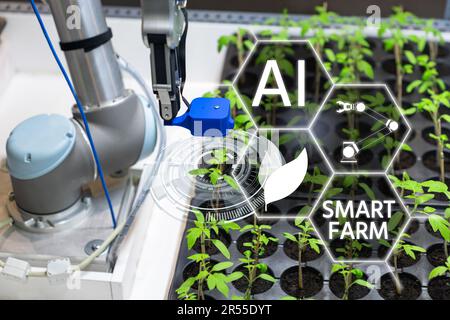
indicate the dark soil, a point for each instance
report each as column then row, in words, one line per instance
column 439, row 288
column 384, row 187
column 426, row 134
column 337, row 286
column 259, row 285
column 291, row 250
column 411, row 287
column 413, row 227
column 404, row 160
column 436, row 255
column 392, row 85
column 248, row 237
column 209, row 246
column 429, row 161
column 312, row 282
column 338, row 243
column 191, row 270
column 389, row 66
column 403, row 260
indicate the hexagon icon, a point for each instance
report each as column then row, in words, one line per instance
column 361, row 128
column 360, row 218
column 276, row 148
column 282, row 83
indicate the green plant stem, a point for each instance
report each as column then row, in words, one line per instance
column 441, row 157
column 433, row 45
column 399, row 79
column 200, row 293
column 446, row 248
column 318, row 49
column 398, row 287
column 252, row 270
column 347, row 283
column 300, row 268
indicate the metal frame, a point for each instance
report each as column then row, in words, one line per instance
column 201, row 15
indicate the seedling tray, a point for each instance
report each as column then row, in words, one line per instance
column 419, row 170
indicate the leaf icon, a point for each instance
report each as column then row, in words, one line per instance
column 286, row 179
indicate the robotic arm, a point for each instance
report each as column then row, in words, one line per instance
column 164, row 30
column 43, row 149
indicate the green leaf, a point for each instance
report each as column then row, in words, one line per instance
column 222, row 287
column 437, row 272
column 211, row 282
column 429, row 210
column 290, row 237
column 186, row 285
column 221, row 247
column 365, row 67
column 413, row 85
column 222, row 266
column 234, row 276
column 330, row 55
column 435, row 186
column 363, row 283
column 394, row 221
column 368, row 190
column 423, row 198
column 267, row 277
column 199, row 172
column 385, row 243
column 230, row 181
column 445, row 117
column 410, row 56
column 198, row 257
column 438, row 223
column 198, row 215
column 192, row 236
column 214, row 177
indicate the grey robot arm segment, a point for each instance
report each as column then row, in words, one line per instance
column 49, row 157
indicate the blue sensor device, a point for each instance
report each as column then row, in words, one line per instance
column 206, row 117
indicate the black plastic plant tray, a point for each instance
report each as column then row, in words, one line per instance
column 384, row 69
column 279, row 262
column 420, row 233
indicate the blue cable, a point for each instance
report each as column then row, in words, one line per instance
column 80, row 108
